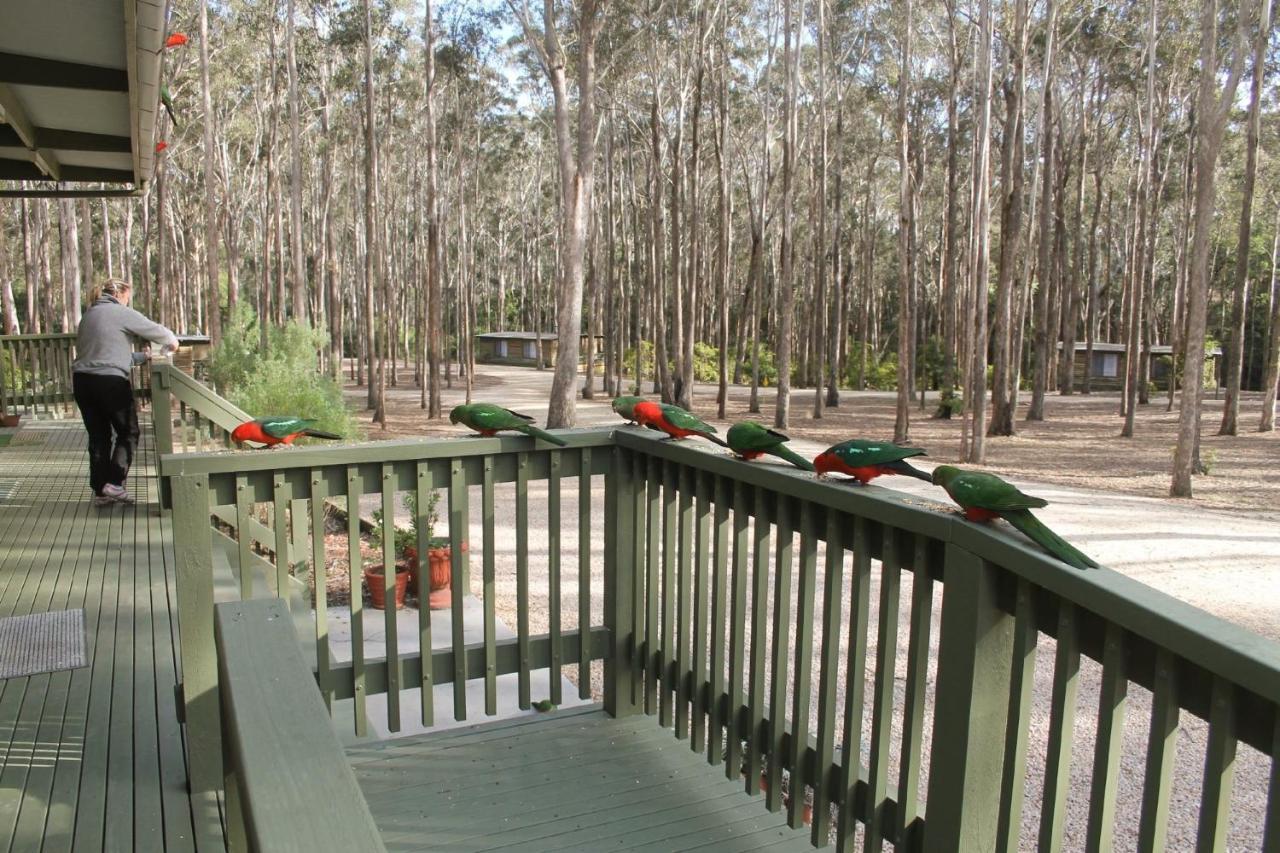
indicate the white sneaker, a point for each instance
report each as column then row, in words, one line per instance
column 116, row 493
column 102, row 500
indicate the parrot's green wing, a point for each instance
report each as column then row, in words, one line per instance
column 857, row 453
column 987, row 491
column 752, row 436
column 489, row 416
column 279, row 427
column 685, row 419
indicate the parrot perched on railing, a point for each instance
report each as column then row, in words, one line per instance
column 985, row 497
column 751, row 439
column 674, row 421
column 865, row 460
column 488, row 419
column 273, row 431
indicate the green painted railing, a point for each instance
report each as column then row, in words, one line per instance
column 736, row 603
column 189, row 416
column 35, row 374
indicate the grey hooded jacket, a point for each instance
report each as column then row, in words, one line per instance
column 103, row 342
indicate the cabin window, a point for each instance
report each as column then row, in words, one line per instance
column 501, row 348
column 530, row 349
column 1106, row 364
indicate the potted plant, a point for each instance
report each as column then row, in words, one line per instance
column 439, row 554
column 374, row 576
column 10, row 420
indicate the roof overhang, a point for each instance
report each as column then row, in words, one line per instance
column 79, row 93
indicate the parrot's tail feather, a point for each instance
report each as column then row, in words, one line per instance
column 713, row 439
column 315, row 433
column 544, row 435
column 908, row 470
column 1036, row 531
column 794, row 458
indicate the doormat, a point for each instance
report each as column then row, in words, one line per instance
column 5, row 438
column 42, row 642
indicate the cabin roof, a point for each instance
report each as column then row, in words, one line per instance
column 521, row 336
column 1158, row 349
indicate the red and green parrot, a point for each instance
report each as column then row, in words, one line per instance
column 866, row 460
column 273, row 431
column 985, row 497
column 750, row 440
column 674, row 421
column 488, row 419
column 167, row 100
column 625, row 406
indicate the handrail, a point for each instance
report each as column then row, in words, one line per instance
column 283, row 757
column 202, row 414
column 35, row 373
column 705, row 558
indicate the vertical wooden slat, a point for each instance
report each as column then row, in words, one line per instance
column 619, row 567
column 355, row 570
column 652, row 598
column 490, row 592
column 684, row 602
column 458, row 513
column 1271, row 828
column 855, row 679
column 426, row 686
column 882, row 704
column 666, row 656
column 1021, row 684
column 761, row 552
column 806, row 592
column 1162, row 748
column 1109, row 743
column 701, row 585
column 737, row 631
column 584, row 574
column 553, row 574
column 522, row 577
column 1057, row 775
column 182, row 425
column 280, row 494
column 913, row 700
column 781, row 649
column 244, row 553
column 389, row 610
column 320, row 580
column 715, row 628
column 828, row 677
column 639, row 619
column 1219, row 769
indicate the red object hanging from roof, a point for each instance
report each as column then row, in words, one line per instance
column 175, row 40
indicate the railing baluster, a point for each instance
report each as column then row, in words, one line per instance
column 855, row 680
column 320, row 580
column 806, row 592
column 666, row 652
column 244, row 553
column 1162, row 748
column 759, row 640
column 1057, row 775
column 781, row 649
column 1109, row 743
column 522, row 576
column 1271, row 827
column 425, row 490
column 620, row 496
column 355, row 572
column 652, row 635
column 1219, row 769
column 639, row 623
column 719, row 600
column 458, row 514
column 701, row 584
column 913, row 700
column 281, row 492
column 882, row 705
column 1021, row 684
column 553, row 573
column 684, row 581
column 389, row 608
column 489, row 570
column 828, row 679
column 737, row 631
column 584, row 574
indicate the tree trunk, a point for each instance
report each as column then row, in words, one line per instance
column 212, row 286
column 1271, row 375
column 787, row 295
column 1040, row 377
column 298, row 271
column 906, row 261
column 980, row 231
column 371, row 237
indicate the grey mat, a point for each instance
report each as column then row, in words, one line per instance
column 41, row 642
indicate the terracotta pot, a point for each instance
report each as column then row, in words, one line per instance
column 374, row 580
column 440, row 575
column 10, row 420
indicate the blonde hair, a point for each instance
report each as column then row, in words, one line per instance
column 108, row 287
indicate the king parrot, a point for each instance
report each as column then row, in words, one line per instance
column 488, row 419
column 167, row 100
column 176, row 40
column 984, row 497
column 272, row 431
column 866, row 460
column 674, row 421
column 625, row 406
column 751, row 439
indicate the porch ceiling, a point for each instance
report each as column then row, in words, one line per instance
column 79, row 94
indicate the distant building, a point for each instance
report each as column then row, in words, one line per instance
column 521, row 348
column 1109, row 365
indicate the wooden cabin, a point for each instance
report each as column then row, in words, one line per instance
column 521, row 348
column 1109, row 366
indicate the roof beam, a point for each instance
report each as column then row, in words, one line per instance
column 11, row 111
column 67, row 140
column 22, row 170
column 22, row 70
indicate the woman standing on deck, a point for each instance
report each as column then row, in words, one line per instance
column 100, row 379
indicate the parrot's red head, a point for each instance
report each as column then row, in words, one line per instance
column 242, row 432
column 647, row 412
column 825, row 462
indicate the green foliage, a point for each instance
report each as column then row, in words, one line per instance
column 406, row 539
column 706, row 363
column 281, row 379
column 768, row 365
column 13, row 376
column 646, row 360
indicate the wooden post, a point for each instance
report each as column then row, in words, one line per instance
column 162, row 424
column 193, row 547
column 619, row 579
column 974, row 664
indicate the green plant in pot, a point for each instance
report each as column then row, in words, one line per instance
column 439, row 553
column 405, row 557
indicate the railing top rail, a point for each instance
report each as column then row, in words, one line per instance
column 53, row 336
column 213, row 406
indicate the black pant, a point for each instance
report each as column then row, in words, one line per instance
column 107, row 406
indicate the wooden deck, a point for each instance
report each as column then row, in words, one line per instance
column 92, row 758
column 569, row 781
